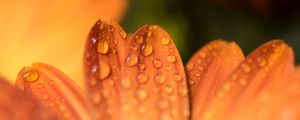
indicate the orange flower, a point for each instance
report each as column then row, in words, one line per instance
column 141, row 76
column 51, row 31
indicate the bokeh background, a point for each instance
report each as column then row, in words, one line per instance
column 192, row 23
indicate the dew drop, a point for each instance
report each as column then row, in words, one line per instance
column 163, row 104
column 139, row 39
column 131, row 59
column 177, row 77
column 183, row 91
column 202, row 54
column 31, row 76
column 157, row 63
column 110, row 82
column 142, row 66
column 168, row 67
column 142, row 78
column 191, row 82
column 123, row 35
column 246, row 68
column 164, row 41
column 133, row 47
column 149, row 33
column 160, row 78
column 104, row 70
column 171, row 58
column 243, row 82
column 141, row 94
column 168, row 89
column 276, row 48
column 96, row 98
column 102, row 46
column 261, row 62
column 190, row 66
column 105, row 93
column 147, row 49
column 126, row 83
column 227, row 87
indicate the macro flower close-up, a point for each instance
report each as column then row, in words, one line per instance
column 82, row 61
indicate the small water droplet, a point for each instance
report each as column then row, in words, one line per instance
column 93, row 40
column 163, row 104
column 123, row 35
column 164, row 41
column 142, row 78
column 110, row 82
column 202, row 54
column 183, row 91
column 104, row 70
column 190, row 66
column 126, row 83
column 45, row 97
column 243, row 82
column 131, row 59
column 133, row 47
column 191, row 82
column 227, row 86
column 31, row 76
column 149, row 33
column 141, row 94
column 139, row 39
column 173, row 98
column 96, row 98
column 103, row 46
column 246, row 68
column 168, row 67
column 171, row 58
column 276, row 48
column 168, row 89
column 147, row 49
column 105, row 93
column 177, row 77
column 261, row 62
column 142, row 66
column 160, row 78
column 157, row 63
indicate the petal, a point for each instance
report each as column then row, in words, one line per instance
column 135, row 77
column 55, row 90
column 207, row 70
column 16, row 105
column 264, row 71
column 36, row 29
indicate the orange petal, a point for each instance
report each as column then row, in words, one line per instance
column 52, row 31
column 261, row 73
column 55, row 90
column 135, row 77
column 15, row 105
column 207, row 70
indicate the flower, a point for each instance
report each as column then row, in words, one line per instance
column 141, row 76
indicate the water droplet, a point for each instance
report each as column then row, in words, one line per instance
column 177, row 77
column 243, row 82
column 131, row 59
column 191, row 82
column 141, row 94
column 104, row 70
column 227, row 87
column 40, row 85
column 190, row 66
column 183, row 91
column 139, row 39
column 220, row 94
column 93, row 40
column 105, row 93
column 102, row 46
column 164, row 41
column 93, row 81
column 110, row 82
column 123, row 35
column 31, row 76
column 157, row 63
column 126, row 83
column 246, row 68
column 173, row 98
column 45, row 97
column 142, row 78
column 133, row 47
column 276, row 48
column 142, row 66
column 168, row 67
column 96, row 98
column 168, row 89
column 149, row 33
column 261, row 62
column 147, row 49
column 171, row 58
column 160, row 78
column 202, row 54
column 163, row 104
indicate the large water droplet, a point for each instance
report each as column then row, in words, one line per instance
column 123, row 35
column 142, row 78
column 31, row 76
column 139, row 39
column 190, row 66
column 131, row 59
column 157, row 63
column 164, row 41
column 160, row 78
column 171, row 58
column 147, row 49
column 141, row 94
column 103, row 46
column 126, row 83
column 104, row 70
